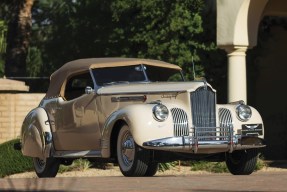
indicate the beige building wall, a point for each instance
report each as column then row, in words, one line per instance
column 13, row 109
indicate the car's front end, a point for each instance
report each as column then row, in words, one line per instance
column 180, row 121
column 211, row 128
column 182, row 117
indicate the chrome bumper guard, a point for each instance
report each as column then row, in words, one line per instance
column 207, row 138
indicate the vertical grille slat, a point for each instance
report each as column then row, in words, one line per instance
column 180, row 122
column 203, row 102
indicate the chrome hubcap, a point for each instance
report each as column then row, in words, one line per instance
column 128, row 149
column 39, row 164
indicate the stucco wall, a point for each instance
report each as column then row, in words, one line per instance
column 13, row 109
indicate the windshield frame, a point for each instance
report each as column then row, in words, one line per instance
column 142, row 68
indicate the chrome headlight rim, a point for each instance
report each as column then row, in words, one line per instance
column 160, row 112
column 244, row 112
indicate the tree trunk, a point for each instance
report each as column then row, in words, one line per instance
column 18, row 37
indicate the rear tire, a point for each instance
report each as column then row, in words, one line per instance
column 242, row 162
column 46, row 168
column 133, row 160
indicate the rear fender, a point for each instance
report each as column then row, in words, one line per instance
column 36, row 136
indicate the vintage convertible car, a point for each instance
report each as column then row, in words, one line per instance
column 138, row 113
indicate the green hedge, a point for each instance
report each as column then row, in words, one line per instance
column 12, row 161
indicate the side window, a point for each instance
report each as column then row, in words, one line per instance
column 76, row 85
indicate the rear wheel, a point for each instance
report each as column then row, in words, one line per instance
column 133, row 160
column 46, row 167
column 242, row 162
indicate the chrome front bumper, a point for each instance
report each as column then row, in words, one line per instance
column 222, row 139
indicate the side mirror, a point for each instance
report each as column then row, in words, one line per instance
column 89, row 90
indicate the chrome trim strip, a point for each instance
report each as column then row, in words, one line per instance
column 129, row 98
column 146, row 93
column 75, row 154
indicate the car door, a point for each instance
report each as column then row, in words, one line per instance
column 77, row 126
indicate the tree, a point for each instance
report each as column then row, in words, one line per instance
column 125, row 28
column 159, row 30
column 3, row 32
column 178, row 32
column 213, row 60
column 18, row 36
column 65, row 30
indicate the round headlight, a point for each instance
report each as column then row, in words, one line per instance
column 244, row 112
column 160, row 112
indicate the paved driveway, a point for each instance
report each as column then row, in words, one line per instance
column 266, row 181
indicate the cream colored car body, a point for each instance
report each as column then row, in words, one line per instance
column 85, row 126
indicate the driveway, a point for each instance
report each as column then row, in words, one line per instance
column 262, row 181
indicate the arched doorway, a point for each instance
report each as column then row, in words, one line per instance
column 267, row 83
column 237, row 29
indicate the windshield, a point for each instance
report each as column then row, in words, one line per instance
column 160, row 74
column 135, row 73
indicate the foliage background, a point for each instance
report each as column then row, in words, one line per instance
column 179, row 32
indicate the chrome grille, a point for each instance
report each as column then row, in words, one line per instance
column 180, row 122
column 203, row 102
column 225, row 121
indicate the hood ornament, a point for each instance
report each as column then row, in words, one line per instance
column 205, row 84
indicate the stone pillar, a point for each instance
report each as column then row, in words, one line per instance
column 237, row 88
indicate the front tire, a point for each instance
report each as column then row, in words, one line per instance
column 46, row 167
column 133, row 160
column 242, row 162
column 152, row 169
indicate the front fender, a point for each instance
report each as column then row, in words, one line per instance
column 141, row 122
column 36, row 136
column 237, row 124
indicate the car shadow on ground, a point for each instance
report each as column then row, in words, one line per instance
column 277, row 164
column 12, row 190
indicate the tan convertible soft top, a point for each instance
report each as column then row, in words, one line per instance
column 58, row 78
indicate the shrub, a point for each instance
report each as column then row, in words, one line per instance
column 214, row 167
column 12, row 161
column 166, row 166
column 77, row 165
column 260, row 163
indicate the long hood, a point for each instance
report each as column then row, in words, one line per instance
column 151, row 87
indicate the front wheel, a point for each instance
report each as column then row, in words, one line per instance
column 242, row 162
column 133, row 160
column 46, row 167
column 152, row 169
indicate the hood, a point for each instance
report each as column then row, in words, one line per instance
column 157, row 87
